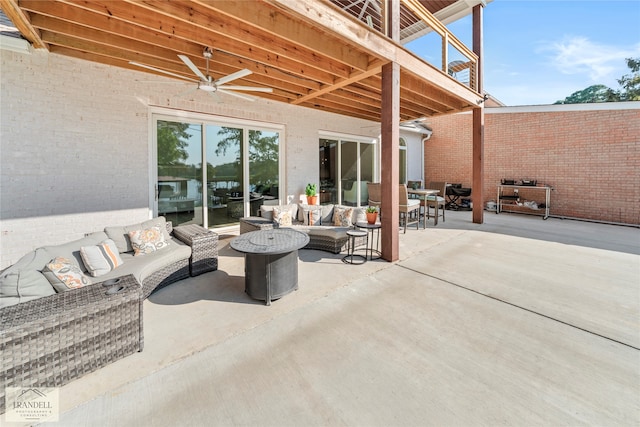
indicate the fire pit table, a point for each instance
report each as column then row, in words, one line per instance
column 270, row 261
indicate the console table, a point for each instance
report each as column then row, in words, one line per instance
column 270, row 261
column 513, row 195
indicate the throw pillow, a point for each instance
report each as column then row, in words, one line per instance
column 314, row 217
column 342, row 217
column 147, row 241
column 100, row 259
column 63, row 274
column 282, row 215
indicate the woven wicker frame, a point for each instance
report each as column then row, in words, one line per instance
column 204, row 247
column 52, row 340
column 322, row 243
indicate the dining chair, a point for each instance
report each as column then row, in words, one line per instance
column 409, row 208
column 435, row 201
column 375, row 195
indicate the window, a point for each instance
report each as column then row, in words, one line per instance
column 242, row 169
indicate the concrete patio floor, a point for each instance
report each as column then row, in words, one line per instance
column 517, row 321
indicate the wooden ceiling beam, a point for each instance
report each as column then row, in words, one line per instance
column 196, row 15
column 373, row 70
column 22, row 22
column 282, row 26
column 145, row 20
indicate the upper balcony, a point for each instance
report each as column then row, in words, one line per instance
column 320, row 54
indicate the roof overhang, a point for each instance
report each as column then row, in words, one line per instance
column 312, row 54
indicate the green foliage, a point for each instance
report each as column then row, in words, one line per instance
column 630, row 84
column 172, row 141
column 595, row 93
column 372, row 209
column 311, row 190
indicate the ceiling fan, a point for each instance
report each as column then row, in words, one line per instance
column 207, row 83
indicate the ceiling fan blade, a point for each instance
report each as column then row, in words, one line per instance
column 250, row 88
column 193, row 68
column 233, row 76
column 158, row 70
column 238, row 95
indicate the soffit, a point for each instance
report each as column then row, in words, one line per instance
column 312, row 54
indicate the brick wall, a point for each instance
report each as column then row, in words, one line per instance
column 589, row 154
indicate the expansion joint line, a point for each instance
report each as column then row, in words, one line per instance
column 520, row 307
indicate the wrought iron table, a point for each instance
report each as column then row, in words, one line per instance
column 270, row 261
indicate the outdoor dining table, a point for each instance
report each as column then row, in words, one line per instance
column 422, row 194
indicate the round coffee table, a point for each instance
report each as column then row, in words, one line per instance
column 270, row 261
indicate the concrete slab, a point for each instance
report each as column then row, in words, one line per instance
column 517, row 321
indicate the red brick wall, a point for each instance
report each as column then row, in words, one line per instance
column 591, row 158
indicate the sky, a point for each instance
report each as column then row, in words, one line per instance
column 541, row 51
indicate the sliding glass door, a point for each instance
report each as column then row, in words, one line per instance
column 242, row 171
column 346, row 166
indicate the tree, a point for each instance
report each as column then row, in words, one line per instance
column 631, row 82
column 172, row 143
column 595, row 93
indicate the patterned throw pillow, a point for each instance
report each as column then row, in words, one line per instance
column 64, row 275
column 282, row 216
column 342, row 217
column 312, row 216
column 147, row 241
column 102, row 258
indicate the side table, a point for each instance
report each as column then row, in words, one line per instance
column 371, row 228
column 204, row 247
column 351, row 236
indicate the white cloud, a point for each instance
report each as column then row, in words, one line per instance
column 579, row 55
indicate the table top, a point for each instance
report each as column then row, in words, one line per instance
column 364, row 224
column 270, row 242
column 422, row 191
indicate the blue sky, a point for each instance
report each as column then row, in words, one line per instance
column 541, row 51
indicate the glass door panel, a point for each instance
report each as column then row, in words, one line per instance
column 328, row 171
column 224, row 175
column 179, row 187
column 263, row 169
column 349, row 171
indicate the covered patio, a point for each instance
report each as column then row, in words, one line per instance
column 530, row 323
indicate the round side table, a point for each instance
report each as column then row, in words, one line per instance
column 351, row 257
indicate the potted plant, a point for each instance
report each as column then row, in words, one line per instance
column 312, row 194
column 372, row 214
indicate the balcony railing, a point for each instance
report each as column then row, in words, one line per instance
column 456, row 59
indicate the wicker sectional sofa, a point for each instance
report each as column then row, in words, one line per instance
column 49, row 338
column 324, row 236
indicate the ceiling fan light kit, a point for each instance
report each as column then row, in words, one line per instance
column 207, row 84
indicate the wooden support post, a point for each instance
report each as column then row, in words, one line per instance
column 390, row 141
column 477, row 185
column 390, row 169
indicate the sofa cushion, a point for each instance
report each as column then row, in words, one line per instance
column 71, row 250
column 311, row 215
column 147, row 240
column 143, row 266
column 100, row 259
column 266, row 211
column 64, row 275
column 23, row 281
column 120, row 234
